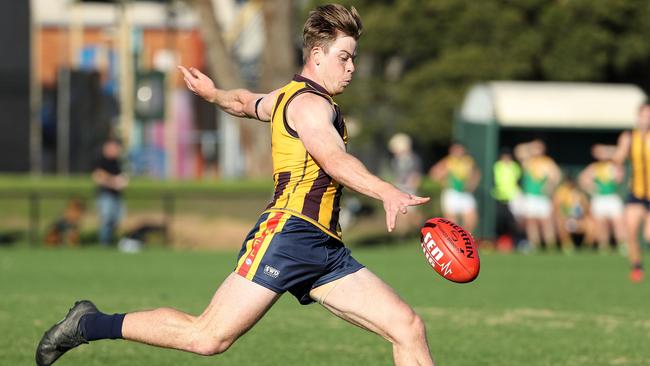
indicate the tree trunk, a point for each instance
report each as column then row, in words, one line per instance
column 279, row 57
column 278, row 64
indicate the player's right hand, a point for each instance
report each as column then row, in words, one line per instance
column 198, row 83
column 396, row 201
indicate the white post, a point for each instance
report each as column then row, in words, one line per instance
column 126, row 73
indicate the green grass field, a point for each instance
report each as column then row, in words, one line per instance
column 522, row 310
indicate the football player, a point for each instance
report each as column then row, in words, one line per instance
column 296, row 244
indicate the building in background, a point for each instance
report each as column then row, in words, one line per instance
column 568, row 117
column 105, row 68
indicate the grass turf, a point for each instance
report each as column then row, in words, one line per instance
column 522, row 310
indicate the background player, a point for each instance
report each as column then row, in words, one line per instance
column 602, row 179
column 635, row 146
column 541, row 176
column 460, row 176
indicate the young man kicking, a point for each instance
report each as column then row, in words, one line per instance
column 296, row 244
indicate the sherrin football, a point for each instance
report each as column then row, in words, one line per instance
column 450, row 250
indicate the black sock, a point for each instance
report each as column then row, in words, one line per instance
column 638, row 265
column 101, row 326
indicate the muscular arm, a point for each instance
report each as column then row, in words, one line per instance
column 311, row 117
column 237, row 102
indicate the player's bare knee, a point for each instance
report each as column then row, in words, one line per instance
column 417, row 327
column 211, row 345
column 411, row 328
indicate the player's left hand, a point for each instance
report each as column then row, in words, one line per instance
column 198, row 82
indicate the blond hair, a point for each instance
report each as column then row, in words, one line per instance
column 325, row 24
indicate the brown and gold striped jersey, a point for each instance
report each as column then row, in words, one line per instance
column 640, row 159
column 302, row 188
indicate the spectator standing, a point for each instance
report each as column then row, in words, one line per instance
column 507, row 194
column 407, row 177
column 111, row 181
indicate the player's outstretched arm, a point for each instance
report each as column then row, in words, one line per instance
column 311, row 116
column 237, row 102
column 622, row 147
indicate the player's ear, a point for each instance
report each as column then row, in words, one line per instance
column 316, row 54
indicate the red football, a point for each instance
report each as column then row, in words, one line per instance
column 450, row 250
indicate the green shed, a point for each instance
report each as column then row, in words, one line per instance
column 568, row 117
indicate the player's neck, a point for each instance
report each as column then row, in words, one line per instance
column 309, row 71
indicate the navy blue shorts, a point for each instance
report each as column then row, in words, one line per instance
column 631, row 198
column 286, row 253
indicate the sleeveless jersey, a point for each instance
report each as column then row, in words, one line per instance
column 302, row 188
column 640, row 158
column 535, row 175
column 460, row 170
column 605, row 178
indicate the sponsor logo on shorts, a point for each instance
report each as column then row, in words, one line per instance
column 271, row 272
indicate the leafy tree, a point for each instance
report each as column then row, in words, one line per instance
column 418, row 58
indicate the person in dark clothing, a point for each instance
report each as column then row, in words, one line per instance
column 111, row 181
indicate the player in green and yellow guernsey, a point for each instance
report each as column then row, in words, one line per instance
column 540, row 177
column 459, row 176
column 296, row 244
column 635, row 146
column 602, row 180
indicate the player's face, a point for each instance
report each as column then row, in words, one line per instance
column 456, row 150
column 337, row 65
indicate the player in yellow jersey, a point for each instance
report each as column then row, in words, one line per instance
column 571, row 213
column 540, row 177
column 459, row 176
column 635, row 146
column 601, row 179
column 296, row 244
